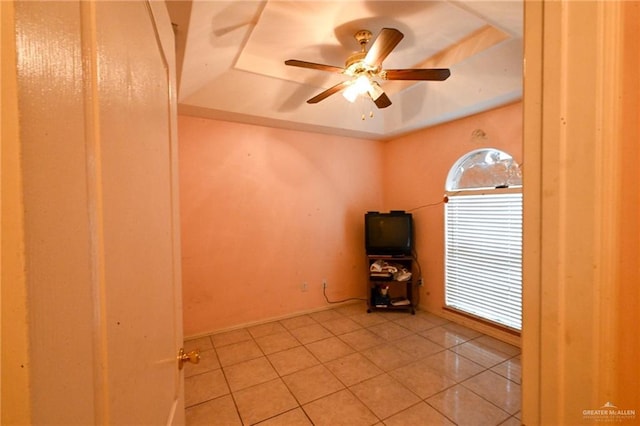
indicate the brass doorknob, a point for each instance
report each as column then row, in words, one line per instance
column 192, row 357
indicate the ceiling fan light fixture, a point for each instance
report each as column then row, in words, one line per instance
column 350, row 93
column 358, row 86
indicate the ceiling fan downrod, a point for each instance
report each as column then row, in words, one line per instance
column 363, row 37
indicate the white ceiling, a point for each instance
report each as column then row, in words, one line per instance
column 231, row 61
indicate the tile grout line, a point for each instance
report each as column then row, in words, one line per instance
column 337, row 334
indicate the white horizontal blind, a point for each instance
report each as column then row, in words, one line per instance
column 483, row 256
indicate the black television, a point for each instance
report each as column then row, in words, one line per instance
column 388, row 233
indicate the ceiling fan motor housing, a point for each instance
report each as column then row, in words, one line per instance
column 363, row 37
column 355, row 64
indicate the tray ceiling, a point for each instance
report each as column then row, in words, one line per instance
column 231, row 61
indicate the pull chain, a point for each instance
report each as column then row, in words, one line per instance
column 370, row 115
column 362, row 101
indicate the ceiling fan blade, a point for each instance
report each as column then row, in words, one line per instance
column 378, row 96
column 434, row 74
column 330, row 91
column 386, row 41
column 304, row 64
column 382, row 101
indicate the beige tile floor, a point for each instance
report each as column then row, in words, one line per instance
column 345, row 367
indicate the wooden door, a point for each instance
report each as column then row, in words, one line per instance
column 137, row 223
column 96, row 270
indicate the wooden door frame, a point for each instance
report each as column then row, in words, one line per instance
column 574, row 206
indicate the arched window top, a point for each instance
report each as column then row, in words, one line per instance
column 482, row 169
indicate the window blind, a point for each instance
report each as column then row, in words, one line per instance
column 483, row 256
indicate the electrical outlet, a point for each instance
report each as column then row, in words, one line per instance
column 420, row 282
column 304, row 286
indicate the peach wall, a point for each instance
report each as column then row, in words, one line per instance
column 416, row 168
column 265, row 210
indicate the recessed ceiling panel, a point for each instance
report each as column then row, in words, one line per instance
column 234, row 51
column 322, row 32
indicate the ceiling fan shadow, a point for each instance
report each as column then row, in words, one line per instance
column 303, row 92
column 416, row 103
column 329, row 54
column 411, row 103
column 221, row 32
column 236, row 16
column 345, row 33
column 398, row 8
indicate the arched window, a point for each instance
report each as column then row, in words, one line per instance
column 483, row 237
column 482, row 169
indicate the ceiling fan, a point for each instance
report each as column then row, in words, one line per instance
column 365, row 66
